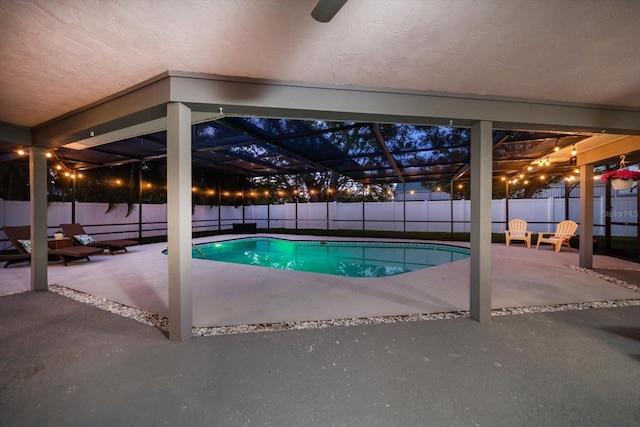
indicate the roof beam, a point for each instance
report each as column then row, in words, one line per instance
column 614, row 147
column 242, row 97
column 385, row 149
column 17, row 135
column 145, row 102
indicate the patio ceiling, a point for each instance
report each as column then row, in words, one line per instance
column 60, row 57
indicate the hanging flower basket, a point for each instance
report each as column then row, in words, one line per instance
column 621, row 179
column 621, row 184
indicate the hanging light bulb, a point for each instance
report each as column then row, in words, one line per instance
column 547, row 162
column 556, row 148
column 573, row 151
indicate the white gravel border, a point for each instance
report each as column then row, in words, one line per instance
column 162, row 323
column 608, row 278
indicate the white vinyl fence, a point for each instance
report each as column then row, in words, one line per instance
column 541, row 214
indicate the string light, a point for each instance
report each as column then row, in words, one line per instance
column 573, row 151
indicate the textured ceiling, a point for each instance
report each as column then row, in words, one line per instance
column 60, row 55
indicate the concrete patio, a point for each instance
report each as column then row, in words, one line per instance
column 65, row 363
column 231, row 294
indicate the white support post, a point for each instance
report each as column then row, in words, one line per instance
column 481, row 171
column 38, row 218
column 179, row 220
column 586, row 216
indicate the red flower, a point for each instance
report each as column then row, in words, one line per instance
column 620, row 174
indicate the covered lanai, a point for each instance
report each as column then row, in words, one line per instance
column 179, row 101
column 91, row 119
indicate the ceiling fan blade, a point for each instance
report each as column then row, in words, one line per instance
column 325, row 10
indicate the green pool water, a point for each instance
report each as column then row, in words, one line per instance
column 352, row 259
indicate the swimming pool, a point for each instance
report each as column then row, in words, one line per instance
column 340, row 258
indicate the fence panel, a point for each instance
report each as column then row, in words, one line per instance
column 435, row 216
column 348, row 216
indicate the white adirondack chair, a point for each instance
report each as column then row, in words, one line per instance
column 517, row 231
column 564, row 231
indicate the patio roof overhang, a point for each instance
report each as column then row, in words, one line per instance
column 258, row 128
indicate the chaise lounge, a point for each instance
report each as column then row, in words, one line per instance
column 20, row 237
column 80, row 237
column 9, row 259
